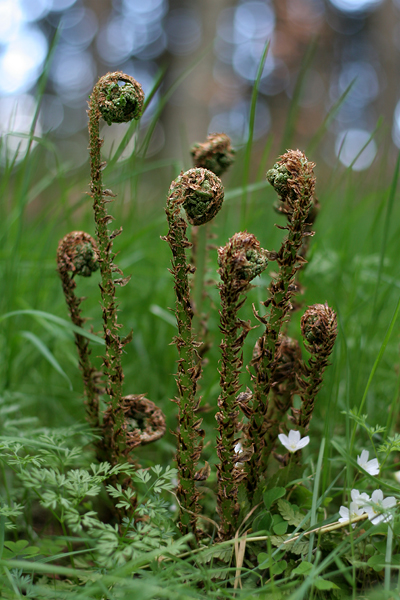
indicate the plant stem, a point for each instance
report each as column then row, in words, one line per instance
column 216, row 155
column 114, row 104
column 77, row 253
column 293, row 179
column 319, row 330
column 200, row 193
column 240, row 261
column 198, row 280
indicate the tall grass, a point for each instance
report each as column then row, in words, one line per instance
column 353, row 265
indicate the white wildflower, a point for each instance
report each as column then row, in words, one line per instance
column 238, row 449
column 378, row 506
column 397, row 476
column 360, row 499
column 293, row 441
column 348, row 514
column 371, row 466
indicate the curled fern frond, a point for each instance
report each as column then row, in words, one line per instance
column 319, row 331
column 77, row 254
column 215, row 154
column 143, row 423
column 200, row 192
column 119, row 103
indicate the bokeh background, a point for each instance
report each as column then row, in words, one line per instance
column 338, row 43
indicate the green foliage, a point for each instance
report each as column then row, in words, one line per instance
column 59, row 533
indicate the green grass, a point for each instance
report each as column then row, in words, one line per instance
column 353, row 266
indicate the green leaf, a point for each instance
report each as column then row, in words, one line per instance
column 377, row 562
column 279, row 525
column 303, row 569
column 290, row 513
column 279, row 567
column 262, row 557
column 272, row 596
column 20, row 548
column 268, row 562
column 297, row 546
column 270, row 496
column 263, row 522
column 16, row 547
column 31, row 551
column 324, row 584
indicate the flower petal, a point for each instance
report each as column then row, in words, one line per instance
column 372, row 467
column 294, row 436
column 389, row 502
column 377, row 496
column 284, row 440
column 377, row 519
column 302, row 443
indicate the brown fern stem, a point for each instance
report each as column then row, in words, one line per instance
column 77, row 254
column 240, row 261
column 293, row 179
column 200, row 193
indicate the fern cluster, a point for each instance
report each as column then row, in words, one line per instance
column 79, row 517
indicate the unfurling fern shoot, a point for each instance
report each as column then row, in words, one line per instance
column 240, row 261
column 199, row 194
column 77, row 254
column 217, row 155
column 319, row 331
column 294, row 181
column 118, row 98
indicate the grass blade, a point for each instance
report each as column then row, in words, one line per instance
column 374, row 368
column 45, row 352
column 54, row 319
column 252, row 117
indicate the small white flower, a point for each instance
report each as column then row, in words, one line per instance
column 347, row 514
column 371, row 466
column 293, row 441
column 397, row 476
column 360, row 499
column 378, row 506
column 238, row 448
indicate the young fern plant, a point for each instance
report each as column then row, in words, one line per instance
column 319, row 331
column 117, row 98
column 240, row 261
column 200, row 194
column 132, row 420
column 77, row 254
column 217, row 155
column 293, row 178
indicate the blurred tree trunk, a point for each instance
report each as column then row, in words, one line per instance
column 383, row 30
column 186, row 117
